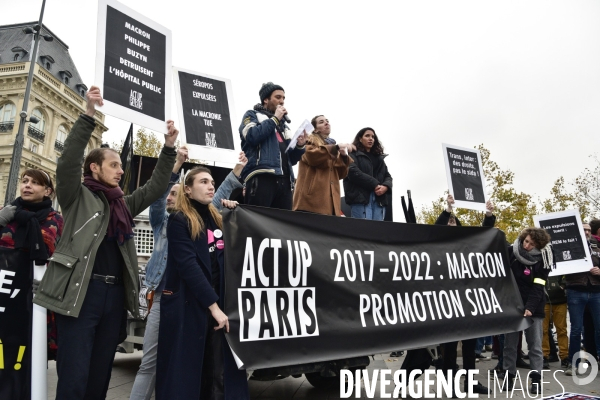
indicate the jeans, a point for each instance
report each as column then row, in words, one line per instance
column 577, row 302
column 558, row 313
column 87, row 344
column 373, row 211
column 481, row 342
column 533, row 335
column 143, row 386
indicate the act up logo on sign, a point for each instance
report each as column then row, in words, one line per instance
column 276, row 311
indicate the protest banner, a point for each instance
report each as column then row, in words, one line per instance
column 302, row 287
column 569, row 245
column 133, row 66
column 205, row 107
column 15, row 325
column 466, row 181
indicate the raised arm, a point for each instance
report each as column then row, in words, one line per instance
column 142, row 197
column 68, row 167
column 490, row 218
column 230, row 183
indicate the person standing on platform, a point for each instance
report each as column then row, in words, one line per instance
column 268, row 176
column 322, row 166
column 368, row 182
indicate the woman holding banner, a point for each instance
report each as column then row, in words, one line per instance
column 320, row 169
column 530, row 262
column 194, row 360
column 29, row 230
column 368, row 180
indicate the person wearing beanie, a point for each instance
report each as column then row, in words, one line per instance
column 268, row 177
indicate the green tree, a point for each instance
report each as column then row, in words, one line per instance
column 144, row 144
column 587, row 191
column 514, row 210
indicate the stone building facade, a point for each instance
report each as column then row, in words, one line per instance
column 57, row 99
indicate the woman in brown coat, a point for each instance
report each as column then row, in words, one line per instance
column 322, row 166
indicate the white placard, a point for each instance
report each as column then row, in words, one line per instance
column 133, row 66
column 206, row 111
column 466, row 181
column 307, row 127
column 569, row 244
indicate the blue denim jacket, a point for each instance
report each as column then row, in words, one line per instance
column 158, row 220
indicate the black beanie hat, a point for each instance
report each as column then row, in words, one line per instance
column 266, row 90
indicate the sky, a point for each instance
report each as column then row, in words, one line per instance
column 522, row 78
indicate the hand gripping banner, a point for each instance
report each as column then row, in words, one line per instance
column 303, row 288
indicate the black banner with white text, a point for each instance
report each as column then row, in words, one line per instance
column 303, row 288
column 15, row 325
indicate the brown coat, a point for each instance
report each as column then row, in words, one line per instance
column 319, row 173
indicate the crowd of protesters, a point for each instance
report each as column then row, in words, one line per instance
column 92, row 277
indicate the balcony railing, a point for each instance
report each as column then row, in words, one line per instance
column 59, row 146
column 36, row 133
column 7, row 126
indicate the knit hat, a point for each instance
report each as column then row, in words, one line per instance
column 266, row 90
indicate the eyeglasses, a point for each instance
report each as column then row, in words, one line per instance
column 587, row 230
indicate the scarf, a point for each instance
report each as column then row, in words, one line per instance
column 328, row 140
column 121, row 222
column 28, row 217
column 534, row 255
column 260, row 108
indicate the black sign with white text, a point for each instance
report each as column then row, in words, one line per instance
column 206, row 112
column 467, row 182
column 567, row 244
column 134, row 65
column 303, row 287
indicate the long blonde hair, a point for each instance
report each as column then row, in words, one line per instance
column 184, row 205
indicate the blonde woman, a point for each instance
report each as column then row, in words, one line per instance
column 194, row 360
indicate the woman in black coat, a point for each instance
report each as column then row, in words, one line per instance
column 368, row 180
column 530, row 262
column 194, row 360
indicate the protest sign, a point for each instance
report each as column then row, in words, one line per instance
column 133, row 66
column 466, row 181
column 302, row 287
column 205, row 106
column 569, row 245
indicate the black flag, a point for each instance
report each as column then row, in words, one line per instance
column 405, row 209
column 411, row 209
column 126, row 159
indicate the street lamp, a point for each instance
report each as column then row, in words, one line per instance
column 15, row 163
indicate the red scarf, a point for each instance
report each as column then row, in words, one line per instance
column 121, row 222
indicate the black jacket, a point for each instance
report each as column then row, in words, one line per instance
column 530, row 286
column 555, row 290
column 362, row 180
